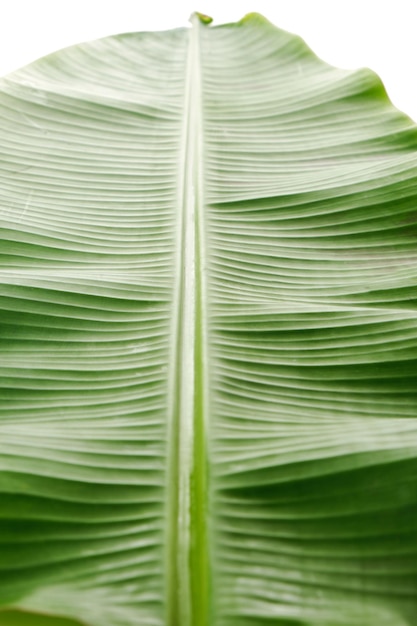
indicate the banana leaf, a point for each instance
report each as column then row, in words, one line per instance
column 208, row 330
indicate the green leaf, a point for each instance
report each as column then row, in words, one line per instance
column 208, row 336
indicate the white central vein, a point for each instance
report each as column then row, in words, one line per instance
column 187, row 392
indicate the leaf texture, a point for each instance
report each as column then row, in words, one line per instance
column 208, row 336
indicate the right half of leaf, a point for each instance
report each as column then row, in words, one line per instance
column 312, row 221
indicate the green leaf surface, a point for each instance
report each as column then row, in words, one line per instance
column 208, row 337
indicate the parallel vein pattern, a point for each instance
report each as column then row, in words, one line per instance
column 312, row 193
column 90, row 140
column 224, row 253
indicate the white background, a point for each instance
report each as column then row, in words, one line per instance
column 380, row 34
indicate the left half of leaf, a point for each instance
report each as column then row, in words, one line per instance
column 90, row 139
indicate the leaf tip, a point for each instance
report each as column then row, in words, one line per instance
column 200, row 17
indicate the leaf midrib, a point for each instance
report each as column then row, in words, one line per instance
column 187, row 563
